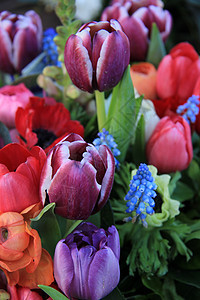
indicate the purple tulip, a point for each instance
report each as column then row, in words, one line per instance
column 137, row 25
column 97, row 55
column 135, row 4
column 77, row 177
column 21, row 40
column 86, row 263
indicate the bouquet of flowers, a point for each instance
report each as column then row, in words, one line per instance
column 99, row 155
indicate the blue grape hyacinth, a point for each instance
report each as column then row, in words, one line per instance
column 104, row 138
column 50, row 48
column 190, row 109
column 140, row 196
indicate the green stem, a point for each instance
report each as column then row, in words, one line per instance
column 71, row 225
column 101, row 112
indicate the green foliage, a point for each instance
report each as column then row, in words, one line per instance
column 54, row 294
column 156, row 50
column 5, row 134
column 122, row 114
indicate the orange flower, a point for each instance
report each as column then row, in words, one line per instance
column 143, row 76
column 22, row 258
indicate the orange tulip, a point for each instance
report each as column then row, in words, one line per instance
column 22, row 258
column 143, row 76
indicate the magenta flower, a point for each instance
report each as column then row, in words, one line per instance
column 77, row 177
column 21, row 40
column 86, row 263
column 97, row 55
column 137, row 25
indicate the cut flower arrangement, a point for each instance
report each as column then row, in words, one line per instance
column 99, row 156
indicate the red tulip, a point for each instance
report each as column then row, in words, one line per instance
column 20, row 171
column 77, row 177
column 169, row 148
column 21, row 40
column 97, row 55
column 177, row 74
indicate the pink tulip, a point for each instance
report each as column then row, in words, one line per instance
column 169, row 148
column 21, row 40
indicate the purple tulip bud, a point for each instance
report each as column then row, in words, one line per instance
column 77, row 177
column 97, row 55
column 137, row 25
column 86, row 263
column 21, row 40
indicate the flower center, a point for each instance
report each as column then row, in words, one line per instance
column 45, row 137
column 3, row 234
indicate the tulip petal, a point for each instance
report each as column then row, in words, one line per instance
column 69, row 188
column 63, row 267
column 100, row 279
column 6, row 63
column 25, row 47
column 108, row 178
column 113, row 241
column 78, row 63
column 81, row 259
column 111, row 65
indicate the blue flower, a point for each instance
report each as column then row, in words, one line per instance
column 139, row 198
column 190, row 109
column 50, row 48
column 104, row 138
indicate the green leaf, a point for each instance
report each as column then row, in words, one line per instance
column 122, row 114
column 5, row 134
column 47, row 226
column 114, row 295
column 107, row 217
column 138, row 148
column 156, row 50
column 186, row 276
column 54, row 294
column 183, row 192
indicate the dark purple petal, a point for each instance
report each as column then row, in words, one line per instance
column 138, row 37
column 75, row 190
column 63, row 267
column 98, row 41
column 6, row 64
column 78, row 63
column 99, row 238
column 108, row 178
column 81, row 260
column 104, row 274
column 113, row 240
column 112, row 64
column 25, row 46
column 97, row 162
column 71, row 138
column 36, row 20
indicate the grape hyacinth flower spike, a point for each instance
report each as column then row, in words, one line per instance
column 104, row 138
column 50, row 48
column 190, row 109
column 139, row 198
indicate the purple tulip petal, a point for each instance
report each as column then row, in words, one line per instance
column 25, row 47
column 113, row 241
column 138, row 37
column 104, row 274
column 69, row 189
column 6, row 63
column 63, row 267
column 97, row 162
column 107, row 182
column 112, row 64
column 163, row 19
column 36, row 20
column 78, row 64
column 82, row 259
column 71, row 138
column 99, row 238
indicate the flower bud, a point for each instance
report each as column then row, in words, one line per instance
column 21, row 40
column 86, row 263
column 169, row 148
column 77, row 177
column 97, row 55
